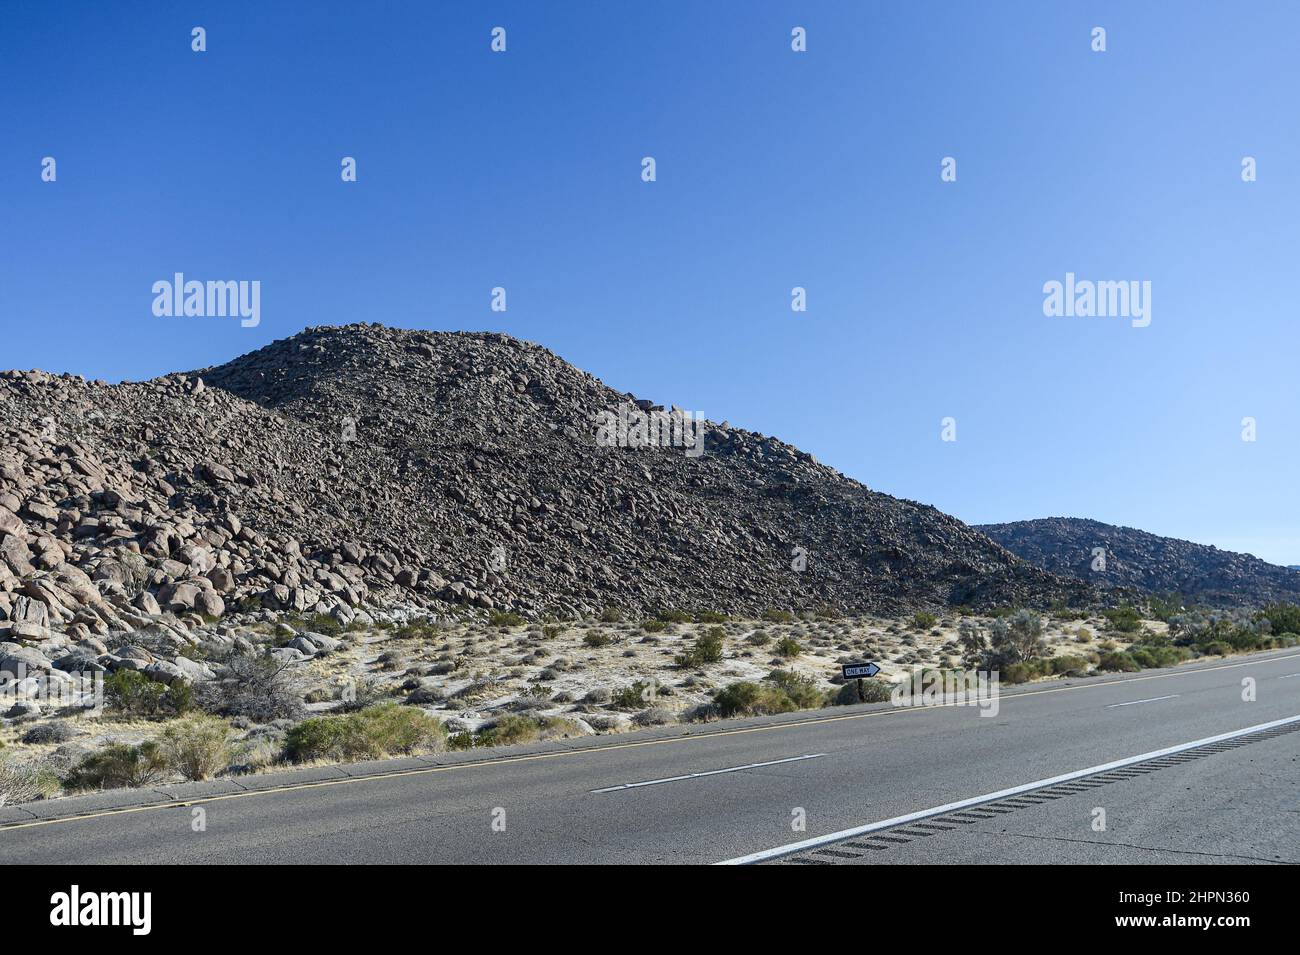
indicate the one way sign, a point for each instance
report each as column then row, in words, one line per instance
column 855, row 670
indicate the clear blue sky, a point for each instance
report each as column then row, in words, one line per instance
column 775, row 169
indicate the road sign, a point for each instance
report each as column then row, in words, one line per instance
column 855, row 670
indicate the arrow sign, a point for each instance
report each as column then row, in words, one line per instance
column 856, row 670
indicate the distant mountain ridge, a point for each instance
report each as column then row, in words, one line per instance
column 1201, row 573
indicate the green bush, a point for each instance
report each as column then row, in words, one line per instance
column 505, row 618
column 1123, row 619
column 653, row 626
column 1118, row 661
column 323, row 623
column 385, row 729
column 674, row 616
column 751, row 699
column 197, row 747
column 512, row 728
column 707, row 649
column 803, row 690
column 922, row 620
column 710, row 616
column 1283, row 618
column 788, row 647
column 1064, row 664
column 873, row 691
column 611, row 615
column 634, row 697
column 597, row 638
column 1152, row 656
column 134, row 694
column 118, row 765
column 772, row 615
column 508, row 729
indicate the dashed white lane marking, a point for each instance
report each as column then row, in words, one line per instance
column 711, row 772
column 1154, row 699
column 794, row 847
column 1288, row 676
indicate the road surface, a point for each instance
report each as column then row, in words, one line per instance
column 743, row 792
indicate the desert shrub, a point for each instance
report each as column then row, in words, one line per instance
column 1123, row 619
column 632, row 697
column 509, row 729
column 751, row 699
column 1226, row 631
column 611, row 615
column 415, row 631
column 710, row 616
column 759, row 638
column 197, row 747
column 706, row 649
column 1066, row 663
column 505, row 618
column 323, row 623
column 257, row 687
column 551, row 630
column 803, row 690
column 974, row 645
column 1039, row 667
column 1015, row 639
column 923, row 620
column 1282, row 618
column 787, row 647
column 512, row 728
column 1150, row 656
column 53, row 732
column 773, row 615
column 873, row 691
column 1165, row 606
column 461, row 740
column 385, row 729
column 118, row 765
column 134, row 694
column 673, row 616
column 654, row 626
column 653, row 716
column 1118, row 661
column 597, row 638
column 25, row 780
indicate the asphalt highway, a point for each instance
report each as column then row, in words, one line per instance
column 751, row 793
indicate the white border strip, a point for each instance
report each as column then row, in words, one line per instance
column 1000, row 794
column 711, row 772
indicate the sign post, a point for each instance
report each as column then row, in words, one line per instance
column 857, row 671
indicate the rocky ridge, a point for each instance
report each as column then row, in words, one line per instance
column 367, row 466
column 1200, row 573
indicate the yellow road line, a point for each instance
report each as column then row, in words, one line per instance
column 506, row 760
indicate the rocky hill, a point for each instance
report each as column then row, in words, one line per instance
column 1200, row 573
column 363, row 464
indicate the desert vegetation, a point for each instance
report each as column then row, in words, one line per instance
column 277, row 692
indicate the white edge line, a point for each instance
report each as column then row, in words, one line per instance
column 1000, row 794
column 1154, row 699
column 711, row 772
